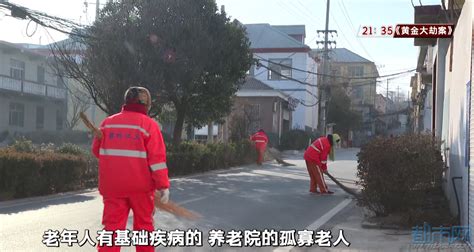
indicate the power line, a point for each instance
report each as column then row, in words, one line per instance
column 335, row 76
column 58, row 24
column 342, row 6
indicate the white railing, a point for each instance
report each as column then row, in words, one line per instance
column 10, row 84
column 55, row 92
column 29, row 87
column 33, row 88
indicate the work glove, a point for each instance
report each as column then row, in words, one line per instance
column 164, row 195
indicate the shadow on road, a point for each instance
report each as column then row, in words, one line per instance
column 36, row 205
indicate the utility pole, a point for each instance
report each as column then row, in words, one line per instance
column 97, row 9
column 323, row 87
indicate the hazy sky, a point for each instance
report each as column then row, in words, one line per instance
column 346, row 16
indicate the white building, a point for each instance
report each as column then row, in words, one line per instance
column 32, row 96
column 282, row 49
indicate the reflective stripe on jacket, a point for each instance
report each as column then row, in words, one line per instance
column 132, row 155
column 260, row 139
column 318, row 152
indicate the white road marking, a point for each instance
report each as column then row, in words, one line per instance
column 282, row 175
column 319, row 222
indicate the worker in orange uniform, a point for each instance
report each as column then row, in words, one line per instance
column 316, row 156
column 261, row 140
column 132, row 166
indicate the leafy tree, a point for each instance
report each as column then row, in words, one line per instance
column 190, row 56
column 340, row 113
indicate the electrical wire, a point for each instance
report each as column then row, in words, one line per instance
column 344, row 11
column 334, row 76
column 58, row 24
column 27, row 28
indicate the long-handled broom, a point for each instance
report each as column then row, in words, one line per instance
column 343, row 187
column 169, row 207
column 275, row 154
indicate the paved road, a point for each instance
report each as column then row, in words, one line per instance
column 242, row 198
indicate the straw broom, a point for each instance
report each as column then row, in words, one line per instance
column 169, row 207
column 274, row 154
column 343, row 187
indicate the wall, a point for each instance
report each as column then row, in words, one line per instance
column 268, row 116
column 441, row 50
column 30, row 103
column 77, row 93
column 455, row 95
column 31, row 66
column 302, row 116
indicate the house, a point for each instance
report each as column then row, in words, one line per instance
column 259, row 106
column 441, row 95
column 32, row 96
column 79, row 99
column 358, row 76
column 282, row 55
column 422, row 93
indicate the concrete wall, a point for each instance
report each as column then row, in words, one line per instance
column 302, row 116
column 31, row 65
column 30, row 103
column 455, row 92
column 77, row 94
column 441, row 52
column 270, row 121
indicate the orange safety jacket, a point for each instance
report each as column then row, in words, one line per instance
column 260, row 139
column 318, row 152
column 132, row 155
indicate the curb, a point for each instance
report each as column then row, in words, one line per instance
column 30, row 200
column 370, row 225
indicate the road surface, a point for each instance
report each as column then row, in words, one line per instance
column 243, row 198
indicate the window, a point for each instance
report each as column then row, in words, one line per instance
column 17, row 69
column 280, row 69
column 39, row 118
column 356, row 71
column 40, row 75
column 17, row 114
column 59, row 120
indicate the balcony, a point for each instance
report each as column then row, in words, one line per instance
column 32, row 88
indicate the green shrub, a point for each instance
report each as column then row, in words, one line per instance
column 295, row 140
column 32, row 174
column 58, row 137
column 69, row 148
column 23, row 145
column 190, row 157
column 27, row 170
column 397, row 174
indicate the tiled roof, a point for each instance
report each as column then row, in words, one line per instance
column 291, row 29
column 253, row 84
column 341, row 55
column 266, row 36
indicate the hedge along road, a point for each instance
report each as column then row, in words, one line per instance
column 242, row 198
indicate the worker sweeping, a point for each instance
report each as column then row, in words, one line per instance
column 132, row 166
column 316, row 156
column 261, row 140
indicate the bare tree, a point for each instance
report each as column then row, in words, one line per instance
column 244, row 121
column 79, row 103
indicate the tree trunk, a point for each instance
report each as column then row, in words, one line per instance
column 178, row 127
column 210, row 132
